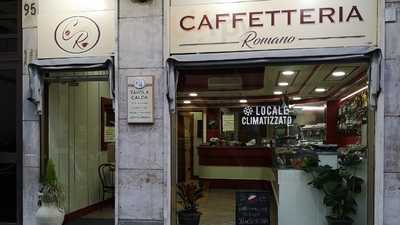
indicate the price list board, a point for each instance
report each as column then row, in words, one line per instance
column 253, row 208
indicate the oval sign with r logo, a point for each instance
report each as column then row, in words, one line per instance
column 77, row 34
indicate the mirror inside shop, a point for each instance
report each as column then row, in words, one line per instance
column 277, row 144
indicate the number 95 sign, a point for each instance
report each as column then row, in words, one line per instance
column 30, row 10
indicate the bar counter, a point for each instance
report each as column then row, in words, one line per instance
column 247, row 156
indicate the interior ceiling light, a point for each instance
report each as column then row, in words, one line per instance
column 283, row 84
column 288, row 72
column 354, row 93
column 320, row 90
column 310, row 108
column 296, row 98
column 339, row 74
column 243, row 101
column 193, row 94
column 278, row 92
column 187, row 102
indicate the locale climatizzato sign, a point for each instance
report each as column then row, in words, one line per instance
column 266, row 115
column 271, row 24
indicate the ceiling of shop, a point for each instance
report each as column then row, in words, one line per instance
column 259, row 84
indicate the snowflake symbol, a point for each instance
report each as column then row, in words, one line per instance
column 248, row 111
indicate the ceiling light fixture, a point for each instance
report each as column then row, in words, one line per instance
column 243, row 101
column 354, row 93
column 296, row 98
column 283, row 84
column 187, row 102
column 320, row 90
column 193, row 94
column 339, row 73
column 288, row 72
column 310, row 108
column 278, row 92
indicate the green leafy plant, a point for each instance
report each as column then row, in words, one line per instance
column 189, row 195
column 339, row 186
column 52, row 191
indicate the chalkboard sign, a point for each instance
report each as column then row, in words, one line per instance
column 253, row 208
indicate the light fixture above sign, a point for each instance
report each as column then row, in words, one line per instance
column 288, row 72
column 320, row 90
column 243, row 101
column 278, row 92
column 339, row 73
column 283, row 84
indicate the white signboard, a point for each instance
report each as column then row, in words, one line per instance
column 76, row 28
column 30, row 10
column 140, row 99
column 223, row 26
column 228, row 122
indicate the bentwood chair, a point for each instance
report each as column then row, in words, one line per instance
column 106, row 174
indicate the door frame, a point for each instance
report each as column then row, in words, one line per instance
column 44, row 135
column 372, row 57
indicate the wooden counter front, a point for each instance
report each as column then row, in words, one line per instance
column 235, row 156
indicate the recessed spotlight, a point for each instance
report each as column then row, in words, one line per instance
column 296, row 98
column 193, row 94
column 283, row 84
column 320, row 90
column 243, row 101
column 278, row 92
column 187, row 102
column 288, row 72
column 338, row 73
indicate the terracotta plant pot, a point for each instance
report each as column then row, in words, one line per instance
column 335, row 221
column 189, row 218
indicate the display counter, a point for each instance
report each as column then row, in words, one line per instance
column 295, row 193
column 235, row 165
column 235, row 156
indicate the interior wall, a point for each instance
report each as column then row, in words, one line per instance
column 309, row 117
column 197, row 140
column 74, row 140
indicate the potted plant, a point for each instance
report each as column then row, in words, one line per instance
column 339, row 186
column 50, row 199
column 189, row 194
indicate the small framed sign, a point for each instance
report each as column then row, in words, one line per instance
column 140, row 99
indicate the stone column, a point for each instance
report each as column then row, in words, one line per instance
column 141, row 160
column 31, row 133
column 392, row 119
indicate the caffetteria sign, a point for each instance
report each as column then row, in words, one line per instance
column 266, row 115
column 223, row 26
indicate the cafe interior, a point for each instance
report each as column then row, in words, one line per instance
column 251, row 128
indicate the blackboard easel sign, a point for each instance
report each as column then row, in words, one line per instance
column 253, row 208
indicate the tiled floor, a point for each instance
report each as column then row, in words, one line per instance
column 107, row 212
column 103, row 216
column 218, row 207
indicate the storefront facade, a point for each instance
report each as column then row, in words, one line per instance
column 145, row 44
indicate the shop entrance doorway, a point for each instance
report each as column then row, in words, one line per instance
column 261, row 126
column 79, row 139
